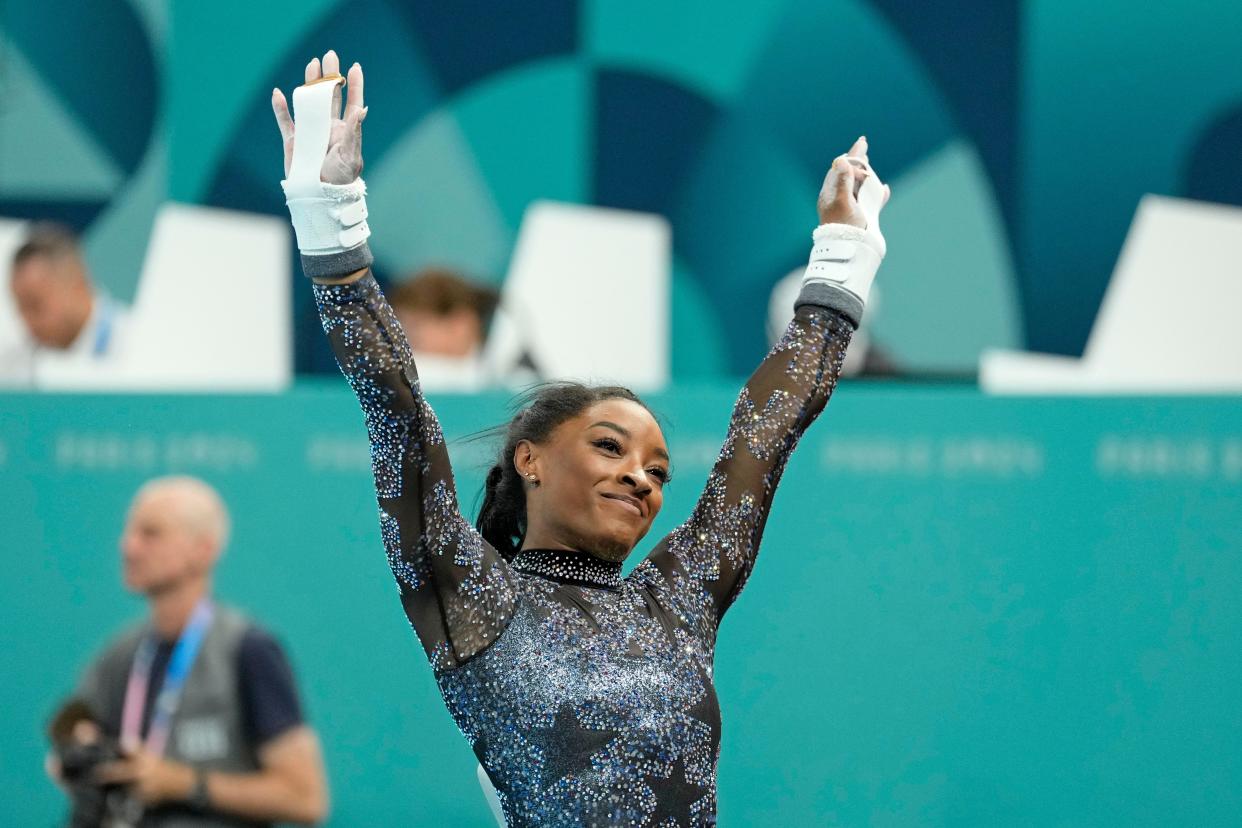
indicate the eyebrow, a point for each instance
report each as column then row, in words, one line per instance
column 661, row 453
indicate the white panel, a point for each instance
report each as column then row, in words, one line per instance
column 212, row 312
column 1169, row 320
column 213, row 307
column 1020, row 372
column 1173, row 304
column 588, row 296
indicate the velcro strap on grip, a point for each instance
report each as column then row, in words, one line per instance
column 844, row 263
column 353, row 212
column 356, row 235
column 332, row 221
column 845, row 258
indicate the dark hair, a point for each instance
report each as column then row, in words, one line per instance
column 502, row 517
column 47, row 239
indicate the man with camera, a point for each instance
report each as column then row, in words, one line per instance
column 192, row 717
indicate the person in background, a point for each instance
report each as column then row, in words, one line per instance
column 68, row 322
column 446, row 318
column 197, row 704
column 443, row 313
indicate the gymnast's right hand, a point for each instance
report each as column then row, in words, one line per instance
column 343, row 163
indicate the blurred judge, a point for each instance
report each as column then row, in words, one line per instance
column 68, row 325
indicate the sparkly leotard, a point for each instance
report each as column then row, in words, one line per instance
column 587, row 697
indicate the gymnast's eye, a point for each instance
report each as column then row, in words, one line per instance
column 659, row 473
column 607, row 444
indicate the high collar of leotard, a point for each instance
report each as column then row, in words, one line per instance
column 568, row 567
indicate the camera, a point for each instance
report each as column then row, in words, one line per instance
column 77, row 761
column 81, row 746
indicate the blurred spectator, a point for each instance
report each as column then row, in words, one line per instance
column 446, row 318
column 68, row 323
column 443, row 313
column 191, row 717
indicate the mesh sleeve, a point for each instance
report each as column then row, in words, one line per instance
column 713, row 552
column 457, row 591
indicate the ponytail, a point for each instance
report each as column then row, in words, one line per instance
column 502, row 516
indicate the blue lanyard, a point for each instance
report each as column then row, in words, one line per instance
column 103, row 328
column 179, row 665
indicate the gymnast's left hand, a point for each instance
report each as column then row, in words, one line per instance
column 343, row 163
column 838, row 198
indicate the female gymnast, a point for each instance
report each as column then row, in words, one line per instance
column 587, row 697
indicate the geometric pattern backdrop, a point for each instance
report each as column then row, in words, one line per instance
column 1018, row 138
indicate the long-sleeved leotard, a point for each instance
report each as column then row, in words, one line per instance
column 587, row 697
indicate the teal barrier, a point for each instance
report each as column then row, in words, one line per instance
column 967, row 611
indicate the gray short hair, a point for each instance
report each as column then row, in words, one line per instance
column 201, row 507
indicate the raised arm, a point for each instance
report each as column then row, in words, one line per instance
column 456, row 589
column 715, row 549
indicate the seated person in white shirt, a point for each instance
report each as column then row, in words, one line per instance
column 68, row 322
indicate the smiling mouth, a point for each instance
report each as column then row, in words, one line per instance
column 630, row 503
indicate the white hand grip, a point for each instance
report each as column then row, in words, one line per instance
column 312, row 120
column 328, row 218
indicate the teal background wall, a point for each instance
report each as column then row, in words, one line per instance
column 1018, row 137
column 966, row 611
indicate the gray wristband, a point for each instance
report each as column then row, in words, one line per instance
column 827, row 295
column 338, row 265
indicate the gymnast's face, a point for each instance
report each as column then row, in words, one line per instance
column 601, row 480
